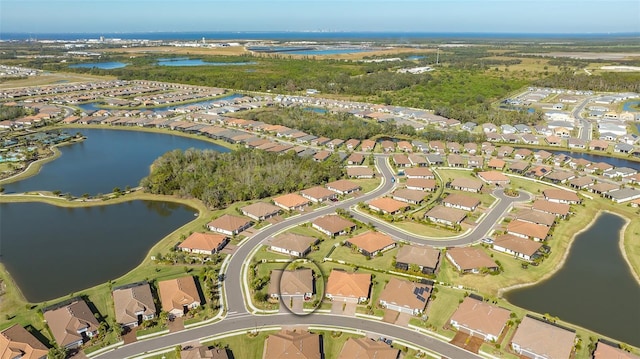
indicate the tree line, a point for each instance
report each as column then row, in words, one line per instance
column 220, row 179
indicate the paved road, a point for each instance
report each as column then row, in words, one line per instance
column 585, row 129
column 250, row 322
column 240, row 318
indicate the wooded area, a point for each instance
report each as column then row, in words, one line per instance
column 219, row 179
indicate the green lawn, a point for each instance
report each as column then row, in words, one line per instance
column 243, row 346
column 383, row 262
column 441, row 309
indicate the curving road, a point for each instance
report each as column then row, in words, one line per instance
column 239, row 318
column 585, row 125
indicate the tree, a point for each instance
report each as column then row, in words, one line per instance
column 57, row 353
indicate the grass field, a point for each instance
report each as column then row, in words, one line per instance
column 51, row 78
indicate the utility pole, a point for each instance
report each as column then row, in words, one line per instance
column 438, row 56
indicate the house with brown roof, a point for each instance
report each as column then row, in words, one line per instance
column 348, row 287
column 445, row 215
column 557, row 209
column 418, row 160
column 355, row 159
column 343, row 187
column 531, row 340
column 606, row 351
column 424, row 257
column 387, row 205
column 71, row 324
column 293, row 344
column 581, row 182
column 461, row 201
column 405, row 146
column 388, row 146
column 496, row 164
column 598, row 145
column 178, row 295
column 537, row 217
column 455, row 160
column 229, row 224
column 288, row 284
column 408, row 195
column 419, row 172
column 17, row 343
column 368, row 145
column 401, row 160
column 203, row 243
column 558, row 176
column 371, row 243
column 466, row 184
column 479, row 319
column 494, row 177
column 318, row 194
column 404, row 296
column 202, row 352
column 528, row 230
column 518, row 167
column 260, row 211
column 475, row 161
column 360, row 172
column 133, row 304
column 421, row 184
column 321, row 156
column 333, row 225
column 561, row 196
column 603, row 187
column 470, row 259
column 352, row 144
column 367, row 348
column 291, row 201
column 292, row 244
column 518, row 247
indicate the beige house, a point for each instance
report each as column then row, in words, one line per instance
column 366, row 348
column 17, row 342
column 71, row 324
column 479, row 319
column 348, row 287
column 532, row 340
column 178, row 295
column 133, row 304
column 292, row 344
column 404, row 296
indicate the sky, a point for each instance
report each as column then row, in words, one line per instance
column 488, row 16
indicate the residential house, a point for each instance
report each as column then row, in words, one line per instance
column 360, row 172
column 470, row 259
column 343, row 187
column 598, row 145
column 367, row 348
column 352, row 144
column 489, row 128
column 581, row 182
column 561, row 196
column 178, row 295
column 293, row 344
column 531, row 340
column 504, row 151
column 355, row 159
column 203, row 243
column 289, row 284
column 542, row 155
column 17, row 343
column 557, row 209
column 455, row 160
column 537, row 232
column 421, row 184
column 424, row 173
column 318, row 194
column 405, row 146
column 409, row 195
column 321, row 156
column 518, row 247
column 522, row 153
column 401, row 160
column 388, row 146
column 404, row 296
column 537, row 217
column 387, row 205
column 454, row 147
column 202, row 352
column 475, row 162
column 424, row 257
column 261, row 211
column 371, row 243
column 623, row 195
column 292, row 244
column 461, row 201
column 333, row 225
column 603, row 187
column 558, row 176
column 577, row 143
column 519, row 167
column 446, row 216
column 466, row 184
column 494, row 177
column 607, row 351
column 434, row 159
column 479, row 319
column 471, row 148
column 418, row 160
column 367, row 145
column 229, row 224
column 348, row 287
column 71, row 324
column 291, row 202
column 133, row 304
column 437, row 146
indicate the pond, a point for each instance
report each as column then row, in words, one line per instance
column 182, row 61
column 594, row 289
column 53, row 251
column 106, row 159
column 99, row 65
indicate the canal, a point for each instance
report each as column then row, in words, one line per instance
column 594, row 289
column 106, row 159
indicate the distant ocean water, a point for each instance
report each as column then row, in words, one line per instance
column 283, row 35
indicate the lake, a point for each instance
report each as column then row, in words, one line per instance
column 52, row 251
column 629, row 106
column 199, row 62
column 93, row 106
column 106, row 159
column 594, row 289
column 99, row 65
column 617, row 162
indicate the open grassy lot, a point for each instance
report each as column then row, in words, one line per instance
column 52, row 78
column 348, row 255
column 246, row 345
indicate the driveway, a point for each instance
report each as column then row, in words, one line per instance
column 465, row 341
column 343, row 308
